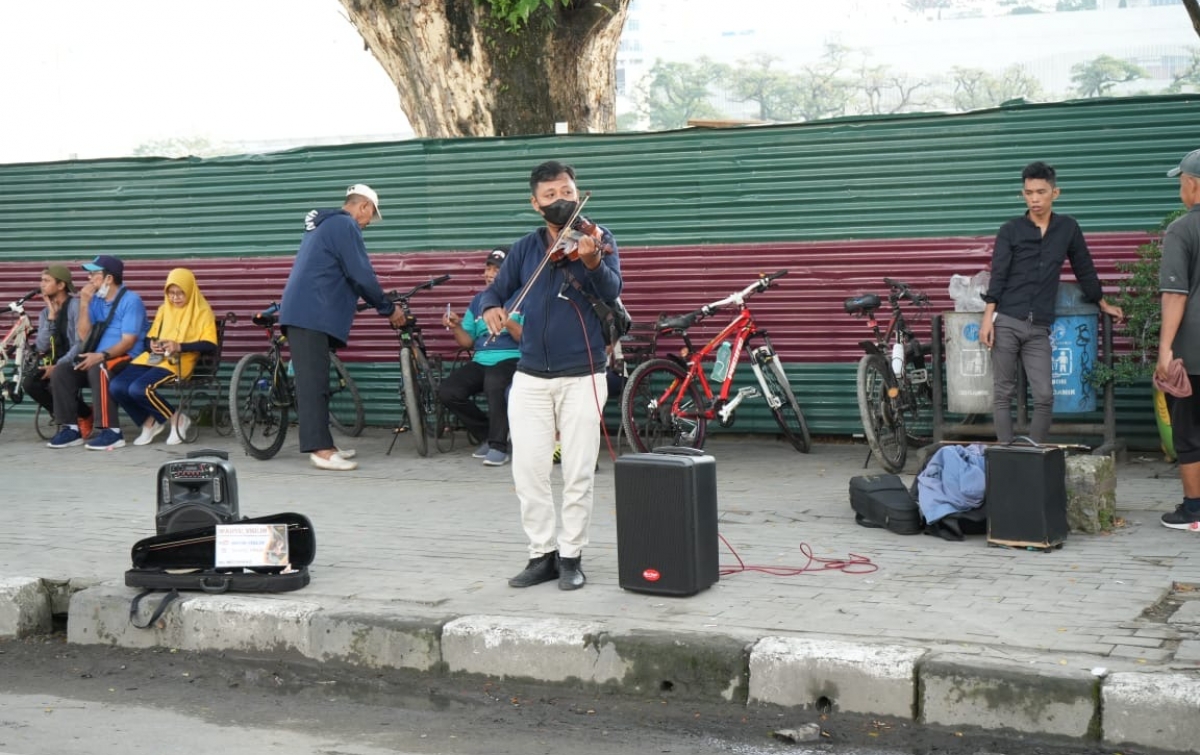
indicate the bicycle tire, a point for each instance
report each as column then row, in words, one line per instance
column 43, row 423
column 432, row 414
column 788, row 415
column 435, row 411
column 345, row 403
column 259, row 419
column 883, row 421
column 3, row 411
column 646, row 408
column 412, row 402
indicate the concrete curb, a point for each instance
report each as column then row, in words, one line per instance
column 920, row 684
column 25, row 607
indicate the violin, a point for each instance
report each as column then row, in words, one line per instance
column 566, row 247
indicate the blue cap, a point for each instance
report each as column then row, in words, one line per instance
column 105, row 263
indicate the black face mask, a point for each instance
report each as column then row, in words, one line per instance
column 558, row 212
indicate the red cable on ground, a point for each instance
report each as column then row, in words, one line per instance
column 856, row 564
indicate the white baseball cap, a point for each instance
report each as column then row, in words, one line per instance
column 363, row 190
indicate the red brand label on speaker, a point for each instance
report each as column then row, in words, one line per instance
column 651, row 575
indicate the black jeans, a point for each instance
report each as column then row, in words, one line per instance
column 457, row 388
column 310, row 361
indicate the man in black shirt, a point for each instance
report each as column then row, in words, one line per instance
column 1026, row 266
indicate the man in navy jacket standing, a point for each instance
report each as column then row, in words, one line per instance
column 331, row 272
column 560, row 382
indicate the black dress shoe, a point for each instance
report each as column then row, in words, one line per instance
column 541, row 569
column 570, row 573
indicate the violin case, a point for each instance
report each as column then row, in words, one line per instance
column 184, row 560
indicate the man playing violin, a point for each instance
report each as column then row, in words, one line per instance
column 560, row 380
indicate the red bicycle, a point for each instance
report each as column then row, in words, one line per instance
column 670, row 401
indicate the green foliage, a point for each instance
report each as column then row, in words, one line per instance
column 515, row 13
column 1188, row 76
column 179, row 147
column 1139, row 299
column 1096, row 78
column 975, row 88
column 776, row 92
column 674, row 93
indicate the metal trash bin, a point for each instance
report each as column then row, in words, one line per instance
column 968, row 365
column 1073, row 350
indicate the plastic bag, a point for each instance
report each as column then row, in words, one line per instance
column 967, row 292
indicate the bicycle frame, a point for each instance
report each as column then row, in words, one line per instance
column 16, row 341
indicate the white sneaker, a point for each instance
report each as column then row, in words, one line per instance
column 180, row 423
column 149, row 434
column 347, row 453
column 336, row 462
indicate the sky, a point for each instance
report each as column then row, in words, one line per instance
column 97, row 78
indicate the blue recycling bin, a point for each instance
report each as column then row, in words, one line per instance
column 1073, row 350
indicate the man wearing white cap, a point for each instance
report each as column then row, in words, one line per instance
column 1179, row 286
column 331, row 272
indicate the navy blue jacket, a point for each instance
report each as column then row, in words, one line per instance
column 553, row 342
column 331, row 272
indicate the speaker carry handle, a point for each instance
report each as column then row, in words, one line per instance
column 208, row 452
column 678, row 451
column 208, row 586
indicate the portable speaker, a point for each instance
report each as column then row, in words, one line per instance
column 198, row 491
column 1027, row 496
column 667, row 521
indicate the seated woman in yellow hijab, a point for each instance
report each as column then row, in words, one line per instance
column 183, row 328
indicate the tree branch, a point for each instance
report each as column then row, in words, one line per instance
column 1193, row 9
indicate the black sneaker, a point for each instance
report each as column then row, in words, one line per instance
column 544, row 568
column 1182, row 519
column 570, row 573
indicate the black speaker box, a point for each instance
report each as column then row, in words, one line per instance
column 667, row 521
column 197, row 491
column 1027, row 496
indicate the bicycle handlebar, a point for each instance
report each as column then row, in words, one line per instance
column 17, row 305
column 399, row 298
column 683, row 322
column 902, row 290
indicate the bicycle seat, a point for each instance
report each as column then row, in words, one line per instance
column 679, row 322
column 865, row 303
column 265, row 319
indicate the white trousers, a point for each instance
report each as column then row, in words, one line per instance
column 537, row 408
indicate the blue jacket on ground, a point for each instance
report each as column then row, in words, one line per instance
column 553, row 343
column 953, row 481
column 331, row 272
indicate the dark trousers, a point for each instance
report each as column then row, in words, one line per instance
column 310, row 361
column 38, row 388
column 459, row 386
column 65, row 386
column 1021, row 343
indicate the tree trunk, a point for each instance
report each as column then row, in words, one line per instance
column 1193, row 9
column 460, row 72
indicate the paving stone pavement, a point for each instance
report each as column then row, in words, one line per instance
column 414, row 553
column 443, row 533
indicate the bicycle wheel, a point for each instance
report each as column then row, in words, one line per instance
column 412, row 402
column 433, row 416
column 883, row 422
column 647, row 413
column 43, row 423
column 2, row 412
column 787, row 414
column 259, row 418
column 345, row 404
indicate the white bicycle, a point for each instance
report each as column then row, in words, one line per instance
column 18, row 360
